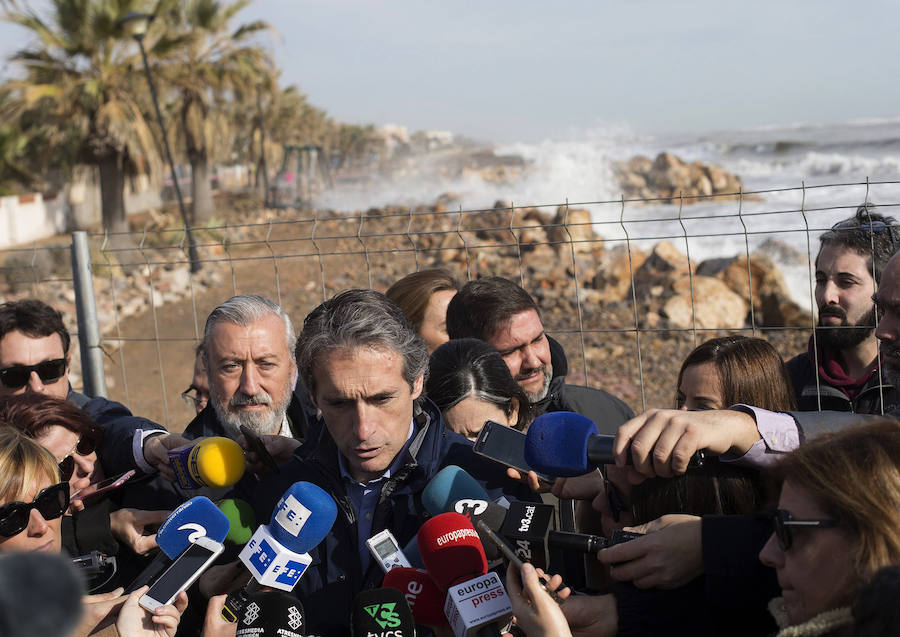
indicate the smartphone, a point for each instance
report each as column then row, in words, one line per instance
column 187, row 567
column 384, row 548
column 259, row 447
column 509, row 554
column 504, row 445
column 94, row 491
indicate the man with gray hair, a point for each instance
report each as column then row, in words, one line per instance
column 380, row 443
column 247, row 347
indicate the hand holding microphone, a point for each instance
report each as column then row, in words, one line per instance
column 566, row 444
column 215, row 462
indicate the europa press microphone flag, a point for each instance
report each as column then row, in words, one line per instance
column 476, row 603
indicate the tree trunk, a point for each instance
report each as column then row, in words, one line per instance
column 201, row 192
column 112, row 193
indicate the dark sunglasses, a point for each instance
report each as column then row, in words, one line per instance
column 784, row 524
column 85, row 446
column 51, row 503
column 17, row 376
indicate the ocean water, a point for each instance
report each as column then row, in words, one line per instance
column 802, row 179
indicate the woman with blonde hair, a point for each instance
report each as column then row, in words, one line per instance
column 423, row 298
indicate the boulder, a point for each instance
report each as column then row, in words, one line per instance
column 772, row 304
column 613, row 273
column 715, row 305
column 575, row 226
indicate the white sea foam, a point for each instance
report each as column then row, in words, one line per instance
column 579, row 169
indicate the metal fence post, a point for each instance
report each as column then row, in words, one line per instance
column 92, row 370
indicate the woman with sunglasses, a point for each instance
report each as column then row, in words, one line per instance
column 62, row 429
column 32, row 503
column 837, row 523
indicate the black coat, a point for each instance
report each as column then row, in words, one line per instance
column 335, row 577
column 824, row 397
column 607, row 411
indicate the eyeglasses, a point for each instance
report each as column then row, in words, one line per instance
column 51, row 503
column 17, row 376
column 872, row 226
column 192, row 398
column 85, row 446
column 784, row 524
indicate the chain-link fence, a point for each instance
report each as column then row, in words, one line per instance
column 628, row 287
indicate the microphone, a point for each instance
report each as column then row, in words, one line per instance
column 277, row 554
column 241, row 518
column 451, row 549
column 198, row 517
column 566, row 444
column 215, row 462
column 492, row 514
column 40, row 594
column 272, row 614
column 421, row 593
column 476, row 600
column 381, row 612
column 529, row 527
column 449, row 485
column 195, row 518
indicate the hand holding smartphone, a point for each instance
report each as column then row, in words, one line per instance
column 92, row 493
column 259, row 448
column 187, row 567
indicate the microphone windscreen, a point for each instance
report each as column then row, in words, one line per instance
column 303, row 517
column 195, row 518
column 379, row 611
column 449, row 485
column 423, row 596
column 241, row 520
column 272, row 614
column 451, row 549
column 492, row 514
column 40, row 594
column 220, row 462
column 557, row 442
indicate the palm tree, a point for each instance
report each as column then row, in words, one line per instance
column 79, row 93
column 212, row 64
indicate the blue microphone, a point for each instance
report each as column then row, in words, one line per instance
column 195, row 518
column 565, row 444
column 198, row 517
column 447, row 487
column 293, row 522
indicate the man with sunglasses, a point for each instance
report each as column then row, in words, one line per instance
column 840, row 369
column 34, row 357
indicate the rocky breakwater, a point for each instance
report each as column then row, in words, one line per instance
column 669, row 177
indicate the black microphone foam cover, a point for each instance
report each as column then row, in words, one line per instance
column 379, row 611
column 272, row 614
column 492, row 514
column 40, row 594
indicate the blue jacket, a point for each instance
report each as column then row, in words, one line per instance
column 335, row 576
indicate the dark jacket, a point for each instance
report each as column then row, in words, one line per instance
column 607, row 411
column 335, row 576
column 119, row 424
column 825, row 397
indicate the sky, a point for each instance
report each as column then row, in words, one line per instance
column 528, row 70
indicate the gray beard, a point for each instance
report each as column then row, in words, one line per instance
column 538, row 396
column 265, row 423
